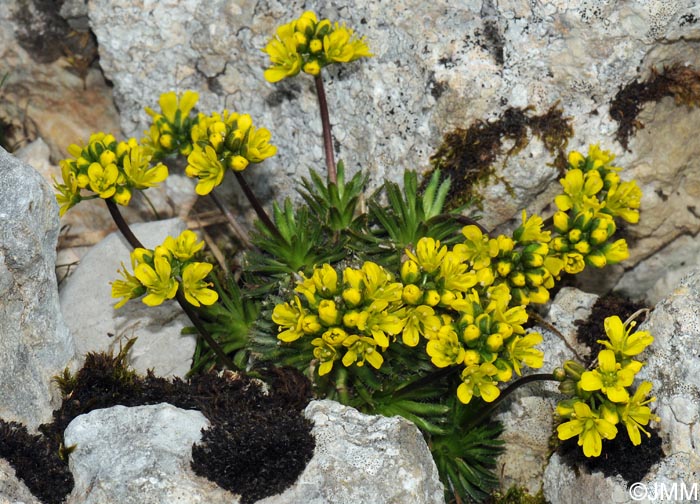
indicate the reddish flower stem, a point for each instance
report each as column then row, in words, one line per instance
column 327, row 137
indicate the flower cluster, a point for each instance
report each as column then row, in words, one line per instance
column 107, row 168
column 169, row 132
column 161, row 272
column 602, row 396
column 593, row 197
column 452, row 311
column 308, row 44
column 221, row 141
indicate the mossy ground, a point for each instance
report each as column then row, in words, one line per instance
column 257, row 445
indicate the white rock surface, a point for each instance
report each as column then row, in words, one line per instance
column 361, row 458
column 12, row 490
column 35, row 343
column 142, row 455
column 88, row 307
column 138, row 455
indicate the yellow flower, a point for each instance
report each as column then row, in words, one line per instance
column 68, row 193
column 420, row 320
column 580, row 191
column 129, row 288
column 445, row 350
column 616, row 252
column 573, row 263
column 103, row 179
column 589, row 427
column 257, row 147
column 455, row 274
column 157, row 280
column 205, row 165
column 521, row 351
column 325, row 280
column 623, row 200
column 429, row 255
column 137, row 168
column 478, row 248
column 185, row 246
column 361, row 349
column 326, row 355
column 286, row 61
column 382, row 324
column 531, row 230
column 621, row 339
column 636, row 413
column 341, row 47
column 477, row 380
column 195, row 288
column 290, row 318
column 610, row 377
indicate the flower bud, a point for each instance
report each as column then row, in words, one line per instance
column 238, row 163
column 597, row 259
column 494, row 342
column 122, row 196
column 432, row 298
column 351, row 318
column 559, row 374
column 310, row 324
column 533, row 260
column 166, row 141
column 352, row 297
column 575, row 159
column 471, row 358
column 567, row 387
column 598, row 236
column 561, row 222
column 517, row 279
column 312, row 67
column 328, row 313
column 539, row 295
column 574, row 235
column 534, row 278
column 447, row 298
column 560, row 244
column 504, row 268
column 471, row 333
column 573, row 369
column 412, row 294
column 410, row 271
column 583, row 247
column 315, row 46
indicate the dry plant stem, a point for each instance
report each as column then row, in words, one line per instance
column 135, row 243
column 327, row 138
column 235, row 227
column 262, row 215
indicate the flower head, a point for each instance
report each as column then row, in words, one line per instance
column 589, row 427
column 196, row 289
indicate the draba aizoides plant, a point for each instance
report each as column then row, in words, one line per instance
column 397, row 307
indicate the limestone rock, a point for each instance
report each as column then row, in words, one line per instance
column 142, row 455
column 361, row 458
column 88, row 306
column 35, row 343
column 527, row 415
column 138, row 455
column 12, row 490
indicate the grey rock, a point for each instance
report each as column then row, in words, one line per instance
column 12, row 490
column 35, row 343
column 142, row 455
column 88, row 306
column 527, row 415
column 361, row 458
column 138, row 455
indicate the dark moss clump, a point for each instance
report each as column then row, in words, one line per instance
column 468, row 155
column 593, row 329
column 682, row 83
column 516, row 495
column 257, row 445
column 619, row 456
column 36, row 462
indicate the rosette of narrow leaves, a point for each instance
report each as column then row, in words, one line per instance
column 225, row 141
column 169, row 132
column 107, row 169
column 158, row 274
column 308, row 45
column 410, row 216
column 301, row 243
column 604, row 397
column 335, row 204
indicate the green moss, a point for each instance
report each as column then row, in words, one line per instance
column 682, row 83
column 517, row 495
column 469, row 155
